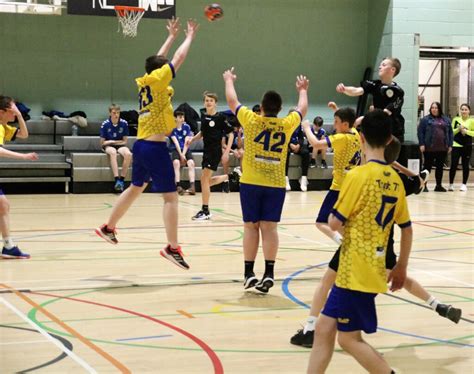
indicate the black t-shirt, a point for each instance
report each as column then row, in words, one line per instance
column 390, row 97
column 213, row 128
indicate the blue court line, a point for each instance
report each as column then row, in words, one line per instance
column 143, row 338
column 289, row 295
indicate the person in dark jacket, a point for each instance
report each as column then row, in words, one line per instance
column 435, row 137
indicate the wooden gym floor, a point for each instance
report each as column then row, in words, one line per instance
column 125, row 309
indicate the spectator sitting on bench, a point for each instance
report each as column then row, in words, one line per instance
column 113, row 140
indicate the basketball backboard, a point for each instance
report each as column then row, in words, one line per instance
column 153, row 8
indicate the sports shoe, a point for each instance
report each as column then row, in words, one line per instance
column 424, row 175
column 14, row 253
column 426, row 189
column 191, row 190
column 109, row 236
column 287, row 187
column 312, row 164
column 451, row 187
column 449, row 312
column 304, row 183
column 463, row 188
column 250, row 282
column 175, row 256
column 440, row 189
column 238, row 171
column 202, row 216
column 323, row 164
column 225, row 187
column 303, row 339
column 180, row 190
column 265, row 284
column 119, row 186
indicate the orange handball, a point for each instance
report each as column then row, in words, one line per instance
column 213, row 12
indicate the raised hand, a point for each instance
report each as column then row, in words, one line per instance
column 341, row 88
column 229, row 75
column 302, row 83
column 192, row 28
column 173, row 27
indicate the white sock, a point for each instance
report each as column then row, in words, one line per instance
column 310, row 324
column 8, row 243
column 433, row 302
column 337, row 238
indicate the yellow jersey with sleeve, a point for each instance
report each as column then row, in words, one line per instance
column 154, row 96
column 7, row 133
column 371, row 199
column 460, row 139
column 346, row 147
column 266, row 146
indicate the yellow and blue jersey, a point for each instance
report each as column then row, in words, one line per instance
column 266, row 146
column 371, row 199
column 154, row 95
column 7, row 133
column 346, row 147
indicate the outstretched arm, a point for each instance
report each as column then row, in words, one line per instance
column 173, row 30
column 349, row 90
column 19, row 156
column 182, row 51
column 230, row 94
column 302, row 85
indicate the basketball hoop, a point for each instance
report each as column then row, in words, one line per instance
column 128, row 17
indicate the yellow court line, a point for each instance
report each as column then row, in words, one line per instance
column 52, row 317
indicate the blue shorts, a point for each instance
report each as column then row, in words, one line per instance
column 260, row 203
column 327, row 206
column 353, row 310
column 152, row 162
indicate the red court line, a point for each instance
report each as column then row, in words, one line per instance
column 444, row 228
column 70, row 330
column 218, row 368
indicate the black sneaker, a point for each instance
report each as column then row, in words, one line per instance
column 303, row 339
column 440, row 189
column 107, row 235
column 424, row 175
column 426, row 189
column 250, row 282
column 449, row 312
column 323, row 164
column 180, row 190
column 175, row 256
column 312, row 163
column 202, row 216
column 225, row 187
column 265, row 284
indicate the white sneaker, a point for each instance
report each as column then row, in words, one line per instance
column 451, row 187
column 304, row 183
column 288, row 187
column 463, row 188
column 238, row 171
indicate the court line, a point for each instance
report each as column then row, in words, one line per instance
column 71, row 354
column 218, row 368
column 442, row 277
column 69, row 329
column 287, row 292
column 443, row 228
column 144, row 338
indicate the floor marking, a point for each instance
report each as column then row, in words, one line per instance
column 71, row 354
column 442, row 277
column 186, row 314
column 144, row 338
column 69, row 329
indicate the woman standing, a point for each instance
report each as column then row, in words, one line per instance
column 463, row 129
column 435, row 136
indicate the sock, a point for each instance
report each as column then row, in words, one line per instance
column 337, row 238
column 249, row 268
column 433, row 302
column 269, row 265
column 310, row 324
column 205, row 208
column 121, row 179
column 8, row 243
column 191, row 184
column 116, row 179
column 177, row 184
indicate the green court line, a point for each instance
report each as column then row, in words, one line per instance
column 444, row 235
column 466, row 299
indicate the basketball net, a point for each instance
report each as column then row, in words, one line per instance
column 129, row 17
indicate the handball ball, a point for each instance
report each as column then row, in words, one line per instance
column 213, row 12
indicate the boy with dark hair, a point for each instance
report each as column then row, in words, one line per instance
column 180, row 152
column 262, row 185
column 8, row 113
column 320, row 133
column 151, row 161
column 372, row 198
column 213, row 126
column 298, row 145
column 387, row 94
column 113, row 140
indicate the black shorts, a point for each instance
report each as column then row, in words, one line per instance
column 175, row 155
column 211, row 158
column 390, row 256
column 117, row 147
